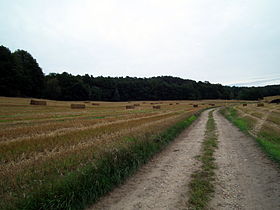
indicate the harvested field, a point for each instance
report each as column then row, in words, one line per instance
column 40, row 145
column 44, row 146
column 268, row 116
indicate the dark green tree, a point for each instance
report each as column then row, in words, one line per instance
column 116, row 96
column 52, row 88
column 29, row 75
column 8, row 76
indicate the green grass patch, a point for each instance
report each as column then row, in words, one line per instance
column 201, row 185
column 96, row 117
column 64, row 116
column 271, row 149
column 6, row 120
column 84, row 186
column 231, row 114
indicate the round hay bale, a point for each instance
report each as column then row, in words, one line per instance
column 78, row 106
column 37, row 102
column 156, row 107
column 129, row 107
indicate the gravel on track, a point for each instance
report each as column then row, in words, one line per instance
column 246, row 178
column 161, row 183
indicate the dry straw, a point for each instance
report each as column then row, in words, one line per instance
column 36, row 102
column 78, row 106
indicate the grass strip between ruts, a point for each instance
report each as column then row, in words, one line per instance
column 201, row 186
column 82, row 188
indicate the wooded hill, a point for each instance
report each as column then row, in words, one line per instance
column 21, row 76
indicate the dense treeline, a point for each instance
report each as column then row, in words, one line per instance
column 20, row 75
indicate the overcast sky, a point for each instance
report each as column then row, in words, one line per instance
column 221, row 41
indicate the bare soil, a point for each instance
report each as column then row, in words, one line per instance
column 246, row 178
column 160, row 184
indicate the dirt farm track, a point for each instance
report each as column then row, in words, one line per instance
column 246, row 178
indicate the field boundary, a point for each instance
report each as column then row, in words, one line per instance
column 83, row 188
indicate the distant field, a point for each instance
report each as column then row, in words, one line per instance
column 261, row 122
column 41, row 145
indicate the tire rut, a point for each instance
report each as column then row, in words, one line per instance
column 161, row 183
column 260, row 123
column 246, row 178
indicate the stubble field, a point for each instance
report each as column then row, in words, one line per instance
column 40, row 146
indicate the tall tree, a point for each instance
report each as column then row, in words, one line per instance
column 30, row 75
column 8, row 75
